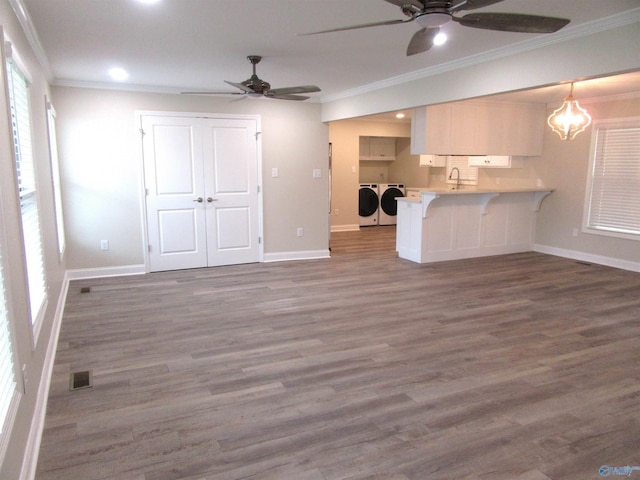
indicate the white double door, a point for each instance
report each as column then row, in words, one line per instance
column 202, row 191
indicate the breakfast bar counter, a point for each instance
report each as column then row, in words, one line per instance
column 464, row 222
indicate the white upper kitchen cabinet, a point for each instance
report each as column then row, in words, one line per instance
column 495, row 161
column 378, row 148
column 478, row 128
column 433, row 161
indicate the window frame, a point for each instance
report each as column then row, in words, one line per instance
column 36, row 262
column 55, row 177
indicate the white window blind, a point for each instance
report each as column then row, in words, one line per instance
column 7, row 369
column 613, row 205
column 31, row 231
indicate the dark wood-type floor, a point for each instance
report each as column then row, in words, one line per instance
column 362, row 366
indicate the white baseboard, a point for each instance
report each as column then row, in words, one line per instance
column 98, row 272
column 32, row 450
column 303, row 255
column 589, row 257
column 345, row 228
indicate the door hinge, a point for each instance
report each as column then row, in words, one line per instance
column 149, row 248
column 258, row 188
column 142, row 132
column 257, row 135
column 259, row 240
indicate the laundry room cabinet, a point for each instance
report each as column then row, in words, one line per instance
column 378, row 148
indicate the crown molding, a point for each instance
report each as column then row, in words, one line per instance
column 22, row 14
column 570, row 33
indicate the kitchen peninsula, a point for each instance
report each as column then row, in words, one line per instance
column 464, row 222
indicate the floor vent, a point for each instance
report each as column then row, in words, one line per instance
column 85, row 289
column 80, row 380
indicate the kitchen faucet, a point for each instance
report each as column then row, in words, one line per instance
column 451, row 174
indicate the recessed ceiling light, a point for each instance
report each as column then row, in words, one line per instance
column 118, row 74
column 399, row 115
column 440, row 39
column 148, row 2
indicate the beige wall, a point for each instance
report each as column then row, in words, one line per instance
column 564, row 166
column 99, row 147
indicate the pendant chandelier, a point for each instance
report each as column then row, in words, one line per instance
column 570, row 119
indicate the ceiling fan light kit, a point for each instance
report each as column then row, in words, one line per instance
column 430, row 15
column 570, row 119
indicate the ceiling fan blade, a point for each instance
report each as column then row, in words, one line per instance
column 472, row 4
column 285, row 97
column 241, row 86
column 291, row 90
column 364, row 25
column 422, row 40
column 512, row 22
column 212, row 93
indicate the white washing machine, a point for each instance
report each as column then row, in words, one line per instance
column 368, row 204
column 388, row 205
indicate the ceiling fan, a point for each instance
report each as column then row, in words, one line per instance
column 430, row 15
column 255, row 87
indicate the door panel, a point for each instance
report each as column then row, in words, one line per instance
column 201, row 176
column 174, row 181
column 232, row 179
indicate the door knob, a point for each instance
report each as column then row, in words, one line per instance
column 199, row 200
column 209, row 199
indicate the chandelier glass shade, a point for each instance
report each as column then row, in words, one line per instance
column 570, row 119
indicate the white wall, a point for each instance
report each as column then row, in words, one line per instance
column 99, row 146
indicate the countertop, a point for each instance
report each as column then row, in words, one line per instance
column 470, row 190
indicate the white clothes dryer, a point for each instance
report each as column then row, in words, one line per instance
column 388, row 205
column 368, row 204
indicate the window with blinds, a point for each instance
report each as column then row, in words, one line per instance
column 31, row 231
column 7, row 369
column 612, row 206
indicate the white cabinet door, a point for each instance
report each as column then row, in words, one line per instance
column 478, row 128
column 378, row 148
column 433, row 161
column 494, row 161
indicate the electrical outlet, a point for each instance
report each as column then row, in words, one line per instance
column 574, row 232
column 274, row 172
column 104, row 244
column 317, row 173
column 299, row 232
column 336, row 211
